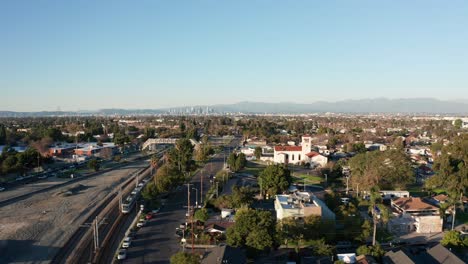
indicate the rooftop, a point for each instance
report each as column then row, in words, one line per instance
column 288, row 148
column 412, row 204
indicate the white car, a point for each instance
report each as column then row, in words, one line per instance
column 122, row 254
column 141, row 223
column 155, row 211
column 2, row 189
column 126, row 242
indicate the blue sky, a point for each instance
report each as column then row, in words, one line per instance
column 150, row 54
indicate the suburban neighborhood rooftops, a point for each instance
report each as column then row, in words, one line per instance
column 443, row 255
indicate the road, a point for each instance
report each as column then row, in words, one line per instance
column 156, row 241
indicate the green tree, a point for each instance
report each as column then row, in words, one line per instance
column 3, row 135
column 184, row 258
column 452, row 172
column 321, row 248
column 359, row 147
column 201, row 215
column 94, row 164
column 240, row 161
column 458, row 123
column 453, row 239
column 366, row 231
column 258, row 152
column 182, row 154
column 388, row 170
column 250, row 228
column 274, row 179
column 376, row 251
column 150, row 192
column 259, row 239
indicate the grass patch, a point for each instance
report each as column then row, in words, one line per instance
column 309, row 179
column 253, row 168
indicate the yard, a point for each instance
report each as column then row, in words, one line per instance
column 253, row 168
column 309, row 179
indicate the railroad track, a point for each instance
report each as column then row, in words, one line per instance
column 80, row 243
column 80, row 247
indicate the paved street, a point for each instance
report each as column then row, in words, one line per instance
column 156, row 242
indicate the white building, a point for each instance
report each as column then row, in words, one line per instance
column 316, row 159
column 293, row 154
column 301, row 204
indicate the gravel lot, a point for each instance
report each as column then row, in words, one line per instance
column 32, row 230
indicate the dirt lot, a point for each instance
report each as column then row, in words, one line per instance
column 32, row 230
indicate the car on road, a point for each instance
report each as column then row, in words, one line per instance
column 148, row 216
column 179, row 232
column 20, row 178
column 42, row 177
column 155, row 211
column 126, row 242
column 2, row 189
column 141, row 223
column 122, row 254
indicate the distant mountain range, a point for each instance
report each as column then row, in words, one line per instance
column 378, row 105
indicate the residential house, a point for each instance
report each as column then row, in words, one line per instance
column 414, row 215
column 436, row 254
column 223, row 254
column 301, row 204
column 316, row 159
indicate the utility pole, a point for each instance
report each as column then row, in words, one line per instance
column 188, row 198
column 201, row 187
column 196, row 197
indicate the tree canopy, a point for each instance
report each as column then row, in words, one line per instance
column 388, row 170
column 274, row 179
column 253, row 228
column 184, row 258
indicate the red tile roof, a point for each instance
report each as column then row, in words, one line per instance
column 413, row 203
column 441, row 197
column 288, row 148
column 312, row 154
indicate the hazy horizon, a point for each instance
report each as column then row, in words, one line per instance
column 153, row 54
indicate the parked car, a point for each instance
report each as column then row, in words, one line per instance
column 155, row 211
column 149, row 216
column 141, row 223
column 122, row 254
column 126, row 242
column 2, row 189
column 42, row 177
